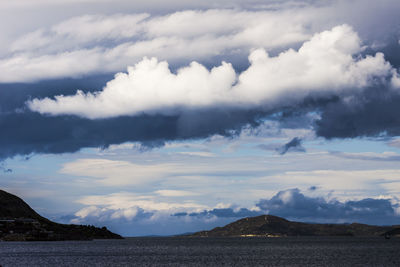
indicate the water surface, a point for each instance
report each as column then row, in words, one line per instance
column 293, row 251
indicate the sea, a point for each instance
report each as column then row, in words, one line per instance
column 183, row 251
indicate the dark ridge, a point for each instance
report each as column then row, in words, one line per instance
column 12, row 206
column 19, row 222
column 273, row 226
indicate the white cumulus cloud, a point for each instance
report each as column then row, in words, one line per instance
column 329, row 63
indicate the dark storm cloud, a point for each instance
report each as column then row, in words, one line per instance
column 14, row 95
column 24, row 132
column 294, row 205
column 374, row 112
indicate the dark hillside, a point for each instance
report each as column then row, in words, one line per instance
column 273, row 226
column 12, row 206
column 20, row 222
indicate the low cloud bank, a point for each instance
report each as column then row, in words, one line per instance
column 292, row 204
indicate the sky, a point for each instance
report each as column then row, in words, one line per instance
column 167, row 117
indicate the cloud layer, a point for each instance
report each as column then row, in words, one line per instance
column 111, row 37
column 325, row 65
column 110, row 43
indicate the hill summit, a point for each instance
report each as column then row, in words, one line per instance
column 19, row 222
column 273, row 226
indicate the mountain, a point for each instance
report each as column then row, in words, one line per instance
column 273, row 226
column 19, row 222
